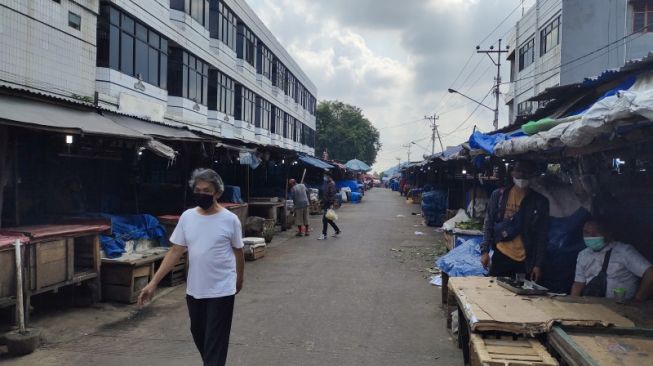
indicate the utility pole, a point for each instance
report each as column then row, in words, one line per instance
column 434, row 130
column 408, row 146
column 497, row 93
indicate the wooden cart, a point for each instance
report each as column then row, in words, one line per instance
column 61, row 255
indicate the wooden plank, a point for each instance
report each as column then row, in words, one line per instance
column 571, row 352
column 51, row 263
column 509, row 350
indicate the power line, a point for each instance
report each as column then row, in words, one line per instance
column 500, row 24
column 607, row 46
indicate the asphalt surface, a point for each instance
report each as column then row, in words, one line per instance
column 360, row 299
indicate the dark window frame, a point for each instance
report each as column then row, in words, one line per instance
column 279, row 75
column 75, row 22
column 196, row 9
column 547, row 43
column 115, row 26
column 263, row 113
column 224, row 24
column 265, row 61
column 644, row 11
column 246, row 44
column 525, row 50
column 189, row 76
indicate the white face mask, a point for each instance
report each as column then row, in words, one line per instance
column 521, row 183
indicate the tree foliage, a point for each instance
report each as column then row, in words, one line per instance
column 345, row 133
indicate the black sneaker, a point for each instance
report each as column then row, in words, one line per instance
column 336, row 234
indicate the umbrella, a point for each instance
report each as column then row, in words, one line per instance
column 357, row 165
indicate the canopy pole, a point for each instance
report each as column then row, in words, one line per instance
column 20, row 307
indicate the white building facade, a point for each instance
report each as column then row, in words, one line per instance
column 210, row 65
column 561, row 42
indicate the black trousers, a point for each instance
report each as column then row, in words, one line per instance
column 210, row 324
column 326, row 222
column 504, row 266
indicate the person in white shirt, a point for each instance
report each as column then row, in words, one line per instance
column 213, row 237
column 624, row 269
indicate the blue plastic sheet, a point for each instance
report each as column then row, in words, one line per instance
column 486, row 142
column 464, row 260
column 352, row 184
column 132, row 227
column 356, row 197
column 434, row 207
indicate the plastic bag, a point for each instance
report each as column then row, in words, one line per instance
column 331, row 215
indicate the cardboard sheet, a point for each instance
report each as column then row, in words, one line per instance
column 488, row 306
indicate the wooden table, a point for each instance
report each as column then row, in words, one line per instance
column 123, row 278
column 484, row 306
column 269, row 210
column 60, row 255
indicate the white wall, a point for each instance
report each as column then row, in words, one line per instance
column 40, row 52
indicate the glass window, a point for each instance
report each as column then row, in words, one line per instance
column 225, row 29
column 127, row 53
column 141, row 60
column 264, row 62
column 74, row 20
column 550, row 36
column 225, row 94
column 527, row 54
column 130, row 47
column 188, row 76
column 643, row 17
column 263, row 113
column 246, row 44
column 290, row 85
column 197, row 9
column 279, row 75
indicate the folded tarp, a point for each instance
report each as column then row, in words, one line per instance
column 131, row 227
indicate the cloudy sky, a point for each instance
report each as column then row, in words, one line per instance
column 396, row 59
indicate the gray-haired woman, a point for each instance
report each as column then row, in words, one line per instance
column 213, row 237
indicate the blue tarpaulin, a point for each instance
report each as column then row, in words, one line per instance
column 131, row 227
column 463, row 260
column 487, row 142
column 317, row 163
column 231, row 194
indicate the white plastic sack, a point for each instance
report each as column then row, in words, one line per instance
column 461, row 216
column 331, row 215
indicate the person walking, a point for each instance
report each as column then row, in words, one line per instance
column 328, row 199
column 213, row 237
column 299, row 195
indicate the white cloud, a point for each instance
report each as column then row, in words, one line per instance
column 394, row 60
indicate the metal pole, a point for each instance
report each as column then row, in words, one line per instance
column 20, row 307
column 496, row 91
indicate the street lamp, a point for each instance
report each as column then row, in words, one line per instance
column 452, row 91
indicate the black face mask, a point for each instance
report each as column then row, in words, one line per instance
column 205, row 201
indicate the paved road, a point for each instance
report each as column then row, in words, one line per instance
column 356, row 300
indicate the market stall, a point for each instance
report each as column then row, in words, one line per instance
column 8, row 266
column 60, row 255
column 486, row 308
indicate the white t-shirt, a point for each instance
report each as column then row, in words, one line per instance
column 211, row 260
column 625, row 268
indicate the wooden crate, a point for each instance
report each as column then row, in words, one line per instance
column 505, row 351
column 178, row 273
column 123, row 282
column 254, row 252
column 51, row 263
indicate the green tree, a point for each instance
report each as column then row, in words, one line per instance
column 345, row 133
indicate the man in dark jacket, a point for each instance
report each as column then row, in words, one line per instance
column 516, row 227
column 328, row 199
